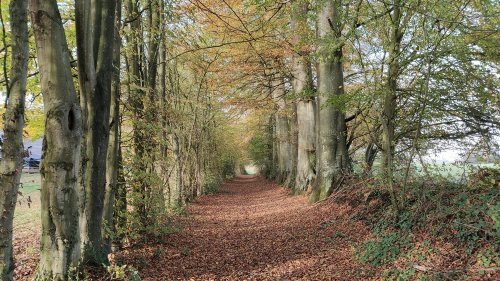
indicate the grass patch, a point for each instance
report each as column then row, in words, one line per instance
column 30, row 183
column 27, row 213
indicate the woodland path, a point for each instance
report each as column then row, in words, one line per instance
column 254, row 230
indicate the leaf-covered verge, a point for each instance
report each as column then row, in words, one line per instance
column 446, row 231
column 256, row 230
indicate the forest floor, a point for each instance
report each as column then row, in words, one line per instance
column 254, row 230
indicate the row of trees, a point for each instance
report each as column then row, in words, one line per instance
column 365, row 80
column 132, row 130
column 140, row 99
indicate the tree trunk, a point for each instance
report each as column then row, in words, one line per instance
column 273, row 157
column 389, row 103
column 114, row 134
column 303, row 88
column 11, row 164
column 332, row 155
column 120, row 202
column 150, row 106
column 60, row 243
column 135, row 100
column 370, row 155
column 176, row 190
column 164, row 106
column 281, row 123
column 292, row 147
column 94, row 24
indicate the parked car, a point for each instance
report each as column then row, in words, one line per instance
column 31, row 165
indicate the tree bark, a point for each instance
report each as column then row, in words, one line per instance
column 281, row 123
column 136, row 102
column 165, row 126
column 388, row 113
column 94, row 25
column 273, row 157
column 270, row 165
column 303, row 87
column 332, row 154
column 114, row 134
column 11, row 164
column 150, row 106
column 292, row 147
column 370, row 154
column 176, row 191
column 120, row 202
column 60, row 243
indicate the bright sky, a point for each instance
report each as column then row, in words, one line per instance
column 447, row 156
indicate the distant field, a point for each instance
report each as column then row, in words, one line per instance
column 454, row 172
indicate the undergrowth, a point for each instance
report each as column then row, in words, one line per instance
column 466, row 216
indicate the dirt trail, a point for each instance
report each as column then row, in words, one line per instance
column 254, row 230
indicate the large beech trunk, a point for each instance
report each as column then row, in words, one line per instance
column 60, row 243
column 12, row 147
column 303, row 87
column 332, row 156
column 94, row 25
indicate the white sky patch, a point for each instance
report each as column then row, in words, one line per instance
column 444, row 156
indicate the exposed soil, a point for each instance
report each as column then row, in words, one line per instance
column 255, row 230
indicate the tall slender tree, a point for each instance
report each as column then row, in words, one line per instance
column 11, row 163
column 112, row 163
column 135, row 60
column 388, row 113
column 281, row 123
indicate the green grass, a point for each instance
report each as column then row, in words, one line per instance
column 455, row 172
column 27, row 213
column 30, row 183
column 451, row 171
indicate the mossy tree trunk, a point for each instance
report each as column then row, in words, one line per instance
column 94, row 33
column 292, row 146
column 137, row 84
column 388, row 114
column 60, row 243
column 112, row 164
column 332, row 156
column 303, row 87
column 11, row 164
column 281, row 123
